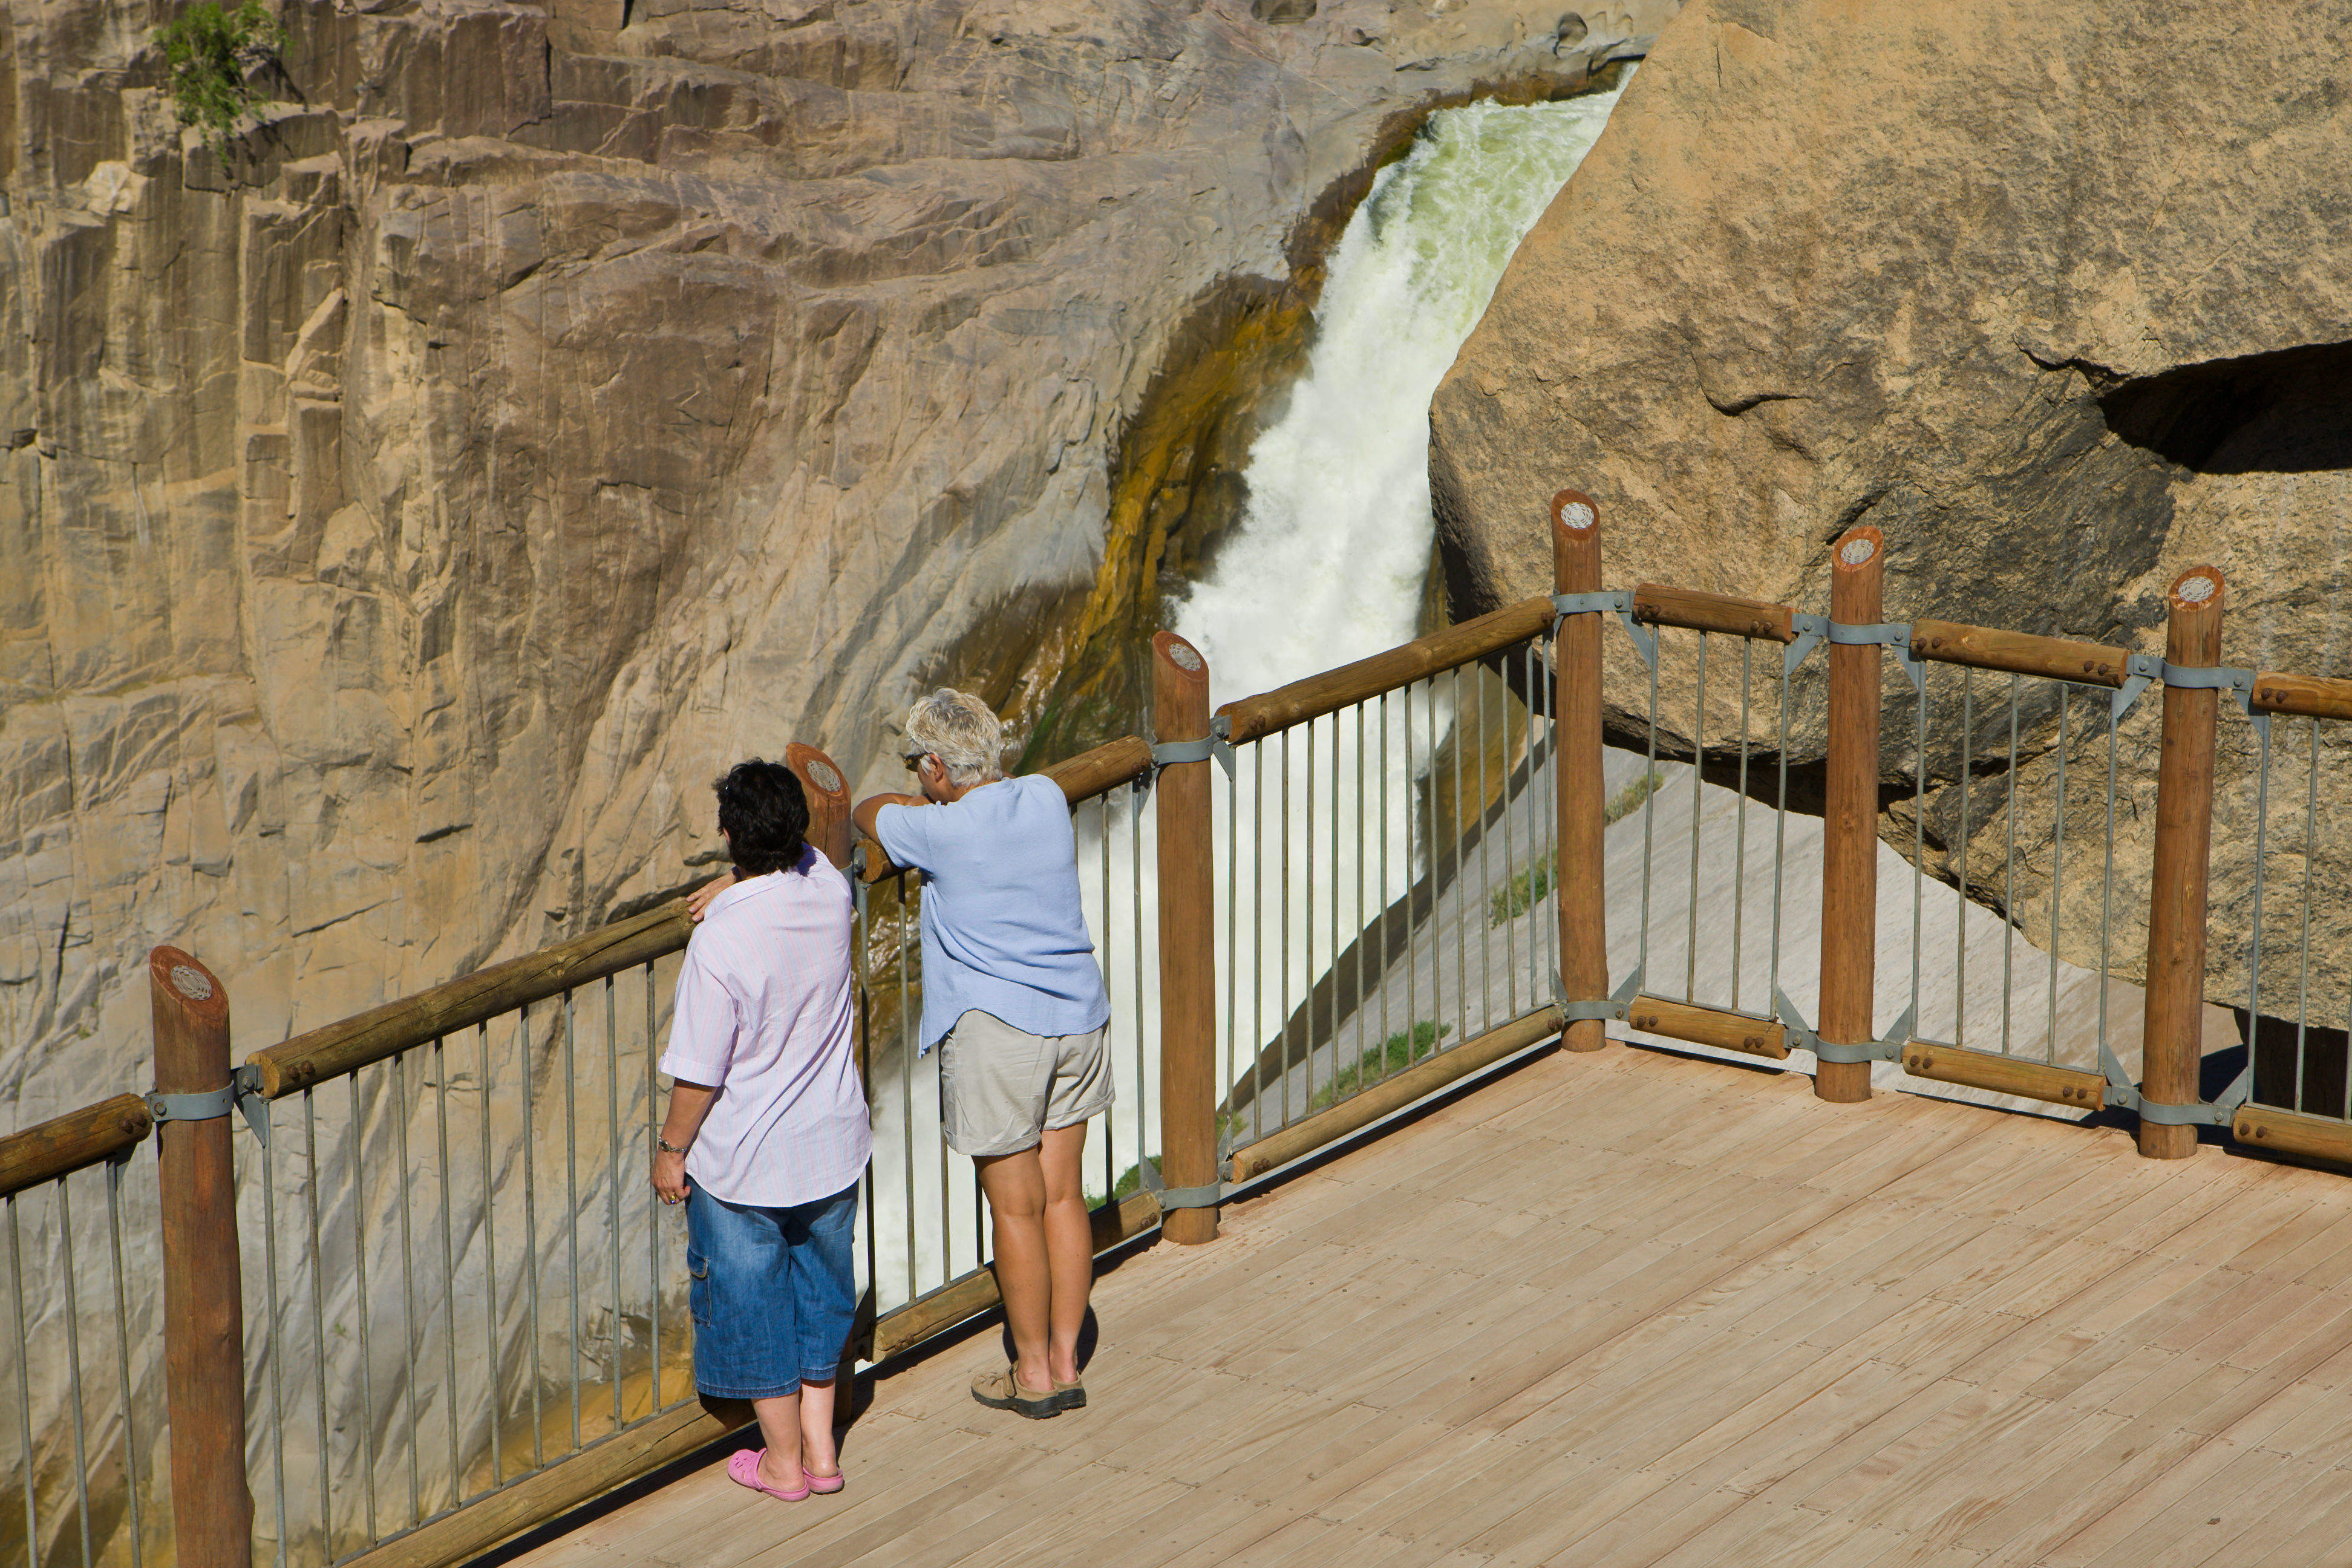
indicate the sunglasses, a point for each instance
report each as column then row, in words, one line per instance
column 914, row 760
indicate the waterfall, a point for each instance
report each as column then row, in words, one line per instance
column 1327, row 563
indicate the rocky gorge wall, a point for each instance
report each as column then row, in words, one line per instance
column 2060, row 300
column 402, row 516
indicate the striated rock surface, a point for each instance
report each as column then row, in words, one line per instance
column 402, row 516
column 2060, row 315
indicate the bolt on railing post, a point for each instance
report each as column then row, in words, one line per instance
column 1188, row 939
column 1850, row 819
column 1581, row 876
column 204, row 1301
column 2173, row 1024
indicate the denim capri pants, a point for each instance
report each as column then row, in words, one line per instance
column 774, row 1292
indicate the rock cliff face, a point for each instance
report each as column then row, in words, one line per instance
column 2060, row 316
column 404, row 515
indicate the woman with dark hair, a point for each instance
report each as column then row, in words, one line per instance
column 767, row 1132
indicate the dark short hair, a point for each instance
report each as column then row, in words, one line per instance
column 763, row 811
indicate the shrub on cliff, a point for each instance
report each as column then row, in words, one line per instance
column 211, row 52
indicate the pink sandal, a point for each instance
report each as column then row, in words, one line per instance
column 744, row 1470
column 825, row 1485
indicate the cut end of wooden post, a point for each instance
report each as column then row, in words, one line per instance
column 1180, row 657
column 1575, row 512
column 2198, row 588
column 828, row 791
column 1575, row 544
column 1859, row 549
column 180, row 980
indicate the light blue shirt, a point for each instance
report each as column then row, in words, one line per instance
column 1003, row 932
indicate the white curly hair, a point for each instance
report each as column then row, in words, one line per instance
column 960, row 730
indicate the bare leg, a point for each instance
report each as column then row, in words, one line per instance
column 1016, row 1185
column 817, row 1453
column 780, row 1424
column 1069, row 1246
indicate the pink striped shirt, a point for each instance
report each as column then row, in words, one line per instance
column 764, row 1013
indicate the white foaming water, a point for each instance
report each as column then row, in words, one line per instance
column 1329, row 559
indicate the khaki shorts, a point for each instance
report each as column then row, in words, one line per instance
column 1003, row 1088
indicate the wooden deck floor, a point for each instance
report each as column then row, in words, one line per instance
column 1632, row 1309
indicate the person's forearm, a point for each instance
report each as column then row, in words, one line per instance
column 688, row 1104
column 871, row 807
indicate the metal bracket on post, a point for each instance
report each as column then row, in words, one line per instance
column 1895, row 635
column 242, row 1094
column 1886, row 1048
column 1800, row 1035
column 2140, row 671
column 2239, row 683
column 1615, row 599
column 1885, row 1051
column 2121, row 1091
column 209, row 1106
column 1891, row 1043
column 1207, row 1197
column 1617, row 1006
column 2196, row 1115
column 2216, row 1113
column 2210, row 678
column 1810, row 630
column 251, row 1101
column 1210, row 747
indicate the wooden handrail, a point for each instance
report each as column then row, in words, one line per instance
column 1253, row 718
column 1657, row 604
column 371, row 1037
column 1082, row 777
column 74, row 1142
column 2020, row 653
column 2310, row 696
column 1102, row 770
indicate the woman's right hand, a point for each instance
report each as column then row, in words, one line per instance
column 699, row 900
column 669, row 1176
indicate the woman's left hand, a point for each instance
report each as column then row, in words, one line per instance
column 669, row 1176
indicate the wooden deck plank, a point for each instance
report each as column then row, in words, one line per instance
column 2316, row 1528
column 1642, row 1308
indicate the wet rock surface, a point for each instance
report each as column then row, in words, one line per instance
column 2061, row 319
column 404, row 514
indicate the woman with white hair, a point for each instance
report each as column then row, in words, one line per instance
column 1014, row 1002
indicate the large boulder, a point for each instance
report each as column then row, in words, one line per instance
column 2058, row 297
column 403, row 514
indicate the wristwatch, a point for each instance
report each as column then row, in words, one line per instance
column 665, row 1146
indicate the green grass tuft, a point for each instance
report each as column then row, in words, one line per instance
column 1399, row 1050
column 1529, row 888
column 1626, row 801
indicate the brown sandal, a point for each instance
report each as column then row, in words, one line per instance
column 1003, row 1391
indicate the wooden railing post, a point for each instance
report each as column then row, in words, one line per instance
column 820, row 778
column 203, row 1302
column 1583, row 810
column 1188, row 939
column 2172, row 1023
column 1850, row 819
